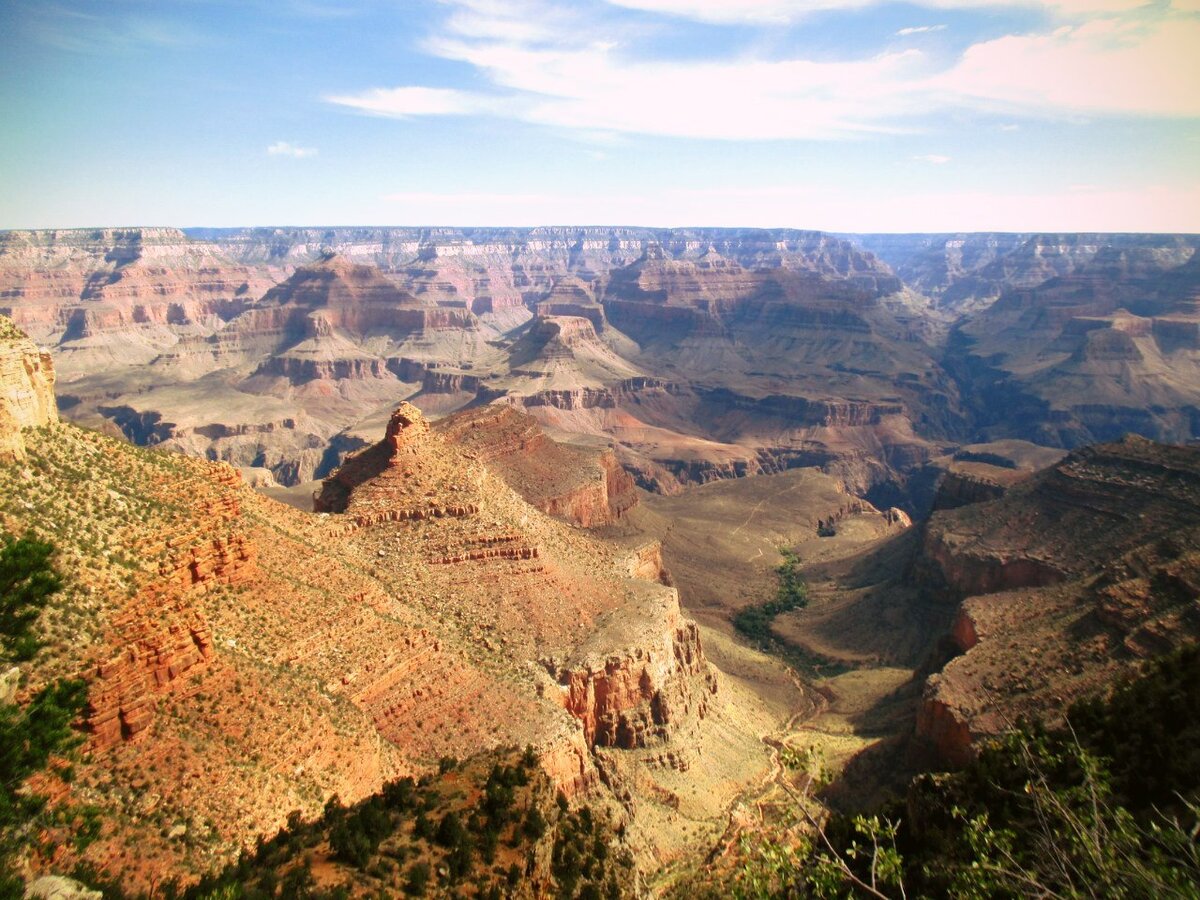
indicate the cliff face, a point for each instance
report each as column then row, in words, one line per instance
column 636, row 673
column 162, row 636
column 1069, row 578
column 246, row 660
column 970, row 270
column 26, row 388
column 643, row 695
column 1090, row 355
column 847, row 363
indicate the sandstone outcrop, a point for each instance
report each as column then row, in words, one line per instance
column 624, row 664
column 1078, row 358
column 328, row 321
column 643, row 695
column 26, row 388
column 1066, row 339
column 586, row 486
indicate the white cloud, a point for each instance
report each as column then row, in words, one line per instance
column 1106, row 66
column 919, row 29
column 935, row 159
column 284, row 148
column 566, row 73
column 592, row 88
column 402, row 102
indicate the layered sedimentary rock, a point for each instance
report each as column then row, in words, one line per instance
column 1070, row 577
column 643, row 695
column 341, row 322
column 26, row 388
column 1092, row 354
column 585, row 486
column 1066, row 338
column 246, row 660
column 970, row 270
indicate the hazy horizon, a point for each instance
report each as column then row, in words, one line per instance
column 554, row 225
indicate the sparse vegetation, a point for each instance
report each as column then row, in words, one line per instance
column 792, row 594
column 1098, row 808
column 31, row 737
column 27, row 581
column 458, row 833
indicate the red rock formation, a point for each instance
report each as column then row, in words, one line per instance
column 161, row 635
column 641, row 696
column 960, row 488
column 946, row 733
column 585, row 486
column 1070, row 577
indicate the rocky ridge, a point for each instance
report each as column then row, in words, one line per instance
column 336, row 325
column 1069, row 578
column 246, row 659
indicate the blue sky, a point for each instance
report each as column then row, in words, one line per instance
column 848, row 115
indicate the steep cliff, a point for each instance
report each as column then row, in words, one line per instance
column 1091, row 355
column 1069, row 579
column 246, row 660
column 26, row 388
column 219, row 332
column 641, row 694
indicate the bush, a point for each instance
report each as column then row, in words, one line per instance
column 27, row 582
column 418, row 879
column 1071, row 812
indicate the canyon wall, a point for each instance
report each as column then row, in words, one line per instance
column 1069, row 579
column 26, row 388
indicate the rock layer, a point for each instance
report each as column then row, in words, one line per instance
column 1069, row 578
column 26, row 388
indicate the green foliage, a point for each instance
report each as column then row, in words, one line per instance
column 534, row 825
column 27, row 581
column 29, row 737
column 418, row 879
column 792, row 594
column 1149, row 730
column 1100, row 808
column 440, row 836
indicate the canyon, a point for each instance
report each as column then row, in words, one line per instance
column 694, row 354
column 246, row 661
column 533, row 475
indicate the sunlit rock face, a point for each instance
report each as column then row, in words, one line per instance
column 26, row 388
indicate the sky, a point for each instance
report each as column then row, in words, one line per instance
column 840, row 115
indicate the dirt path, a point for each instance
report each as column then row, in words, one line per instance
column 750, row 517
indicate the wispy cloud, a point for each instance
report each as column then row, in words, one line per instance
column 285, row 148
column 568, row 73
column 402, row 102
column 76, row 31
column 777, row 11
column 919, row 29
column 934, row 159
